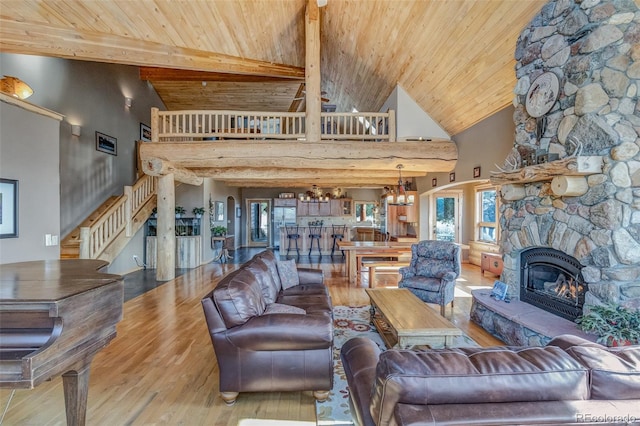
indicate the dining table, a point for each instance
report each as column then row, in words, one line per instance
column 355, row 250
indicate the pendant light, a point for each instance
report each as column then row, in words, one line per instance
column 400, row 198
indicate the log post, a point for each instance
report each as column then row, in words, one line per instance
column 569, row 186
column 392, row 125
column 155, row 124
column 512, row 192
column 166, row 233
column 312, row 72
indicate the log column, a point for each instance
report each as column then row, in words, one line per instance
column 166, row 233
column 312, row 71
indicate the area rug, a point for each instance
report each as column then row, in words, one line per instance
column 348, row 322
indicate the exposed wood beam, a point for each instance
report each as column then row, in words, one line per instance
column 48, row 40
column 159, row 167
column 422, row 157
column 328, row 182
column 240, row 173
column 172, row 74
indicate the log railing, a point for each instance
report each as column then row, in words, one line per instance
column 118, row 218
column 191, row 125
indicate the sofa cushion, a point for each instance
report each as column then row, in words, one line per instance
column 288, row 273
column 260, row 269
column 474, row 376
column 280, row 308
column 238, row 298
column 615, row 372
column 269, row 258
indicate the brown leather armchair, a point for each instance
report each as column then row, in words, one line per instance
column 262, row 345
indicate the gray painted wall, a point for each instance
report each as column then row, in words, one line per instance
column 29, row 154
column 483, row 145
column 92, row 95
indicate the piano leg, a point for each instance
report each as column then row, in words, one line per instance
column 76, row 391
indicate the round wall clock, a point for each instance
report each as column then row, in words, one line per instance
column 542, row 94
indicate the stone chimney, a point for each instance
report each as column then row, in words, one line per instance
column 593, row 48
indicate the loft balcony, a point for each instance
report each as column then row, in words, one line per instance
column 249, row 148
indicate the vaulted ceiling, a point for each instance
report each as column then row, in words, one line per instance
column 454, row 57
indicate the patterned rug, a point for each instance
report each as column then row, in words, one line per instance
column 348, row 322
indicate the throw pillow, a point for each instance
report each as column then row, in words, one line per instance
column 288, row 273
column 281, row 308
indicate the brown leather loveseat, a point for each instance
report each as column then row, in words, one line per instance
column 569, row 381
column 272, row 329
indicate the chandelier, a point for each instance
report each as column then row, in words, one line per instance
column 399, row 197
column 314, row 196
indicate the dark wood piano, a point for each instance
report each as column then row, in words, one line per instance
column 54, row 317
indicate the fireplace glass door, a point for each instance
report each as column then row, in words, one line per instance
column 551, row 280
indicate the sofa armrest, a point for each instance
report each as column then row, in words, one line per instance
column 407, row 272
column 449, row 276
column 359, row 358
column 279, row 332
column 310, row 276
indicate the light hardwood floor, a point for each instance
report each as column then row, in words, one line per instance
column 161, row 368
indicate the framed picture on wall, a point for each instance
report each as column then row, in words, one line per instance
column 434, row 182
column 452, row 177
column 8, row 208
column 105, row 143
column 145, row 132
column 476, row 172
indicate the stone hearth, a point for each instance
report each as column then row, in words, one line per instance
column 593, row 47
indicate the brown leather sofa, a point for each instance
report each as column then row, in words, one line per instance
column 267, row 337
column 569, row 381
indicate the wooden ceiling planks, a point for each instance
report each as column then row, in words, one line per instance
column 454, row 57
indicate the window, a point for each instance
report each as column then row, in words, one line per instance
column 365, row 211
column 486, row 214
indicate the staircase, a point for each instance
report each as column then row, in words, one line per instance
column 110, row 227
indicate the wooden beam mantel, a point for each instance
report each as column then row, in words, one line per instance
column 419, row 157
column 570, row 166
column 159, row 167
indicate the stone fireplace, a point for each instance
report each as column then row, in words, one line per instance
column 571, row 184
column 551, row 280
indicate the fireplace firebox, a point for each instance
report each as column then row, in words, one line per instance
column 552, row 280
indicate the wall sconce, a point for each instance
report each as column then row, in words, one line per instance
column 15, row 87
column 76, row 130
column 127, row 102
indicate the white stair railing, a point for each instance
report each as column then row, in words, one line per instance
column 118, row 218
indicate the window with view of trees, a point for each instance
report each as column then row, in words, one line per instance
column 364, row 211
column 486, row 214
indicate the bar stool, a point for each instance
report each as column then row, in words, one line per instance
column 292, row 235
column 315, row 233
column 338, row 234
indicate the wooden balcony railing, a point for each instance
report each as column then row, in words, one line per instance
column 118, row 218
column 192, row 125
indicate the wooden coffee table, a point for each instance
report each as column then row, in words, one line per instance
column 405, row 321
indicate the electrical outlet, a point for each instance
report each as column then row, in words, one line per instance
column 47, row 240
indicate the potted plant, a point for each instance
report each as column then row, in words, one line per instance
column 198, row 211
column 180, row 211
column 614, row 325
column 219, row 231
